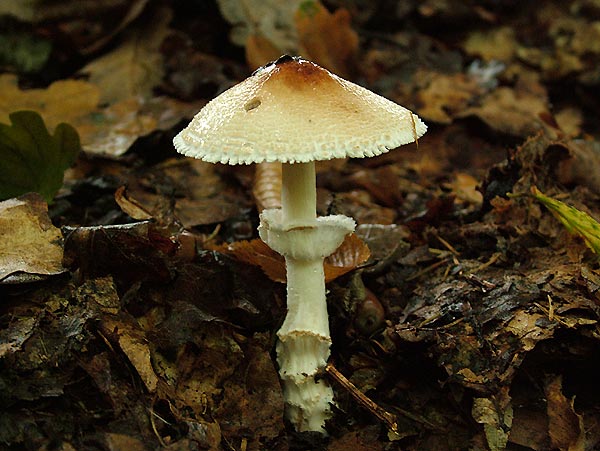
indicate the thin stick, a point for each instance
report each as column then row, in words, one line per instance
column 386, row 417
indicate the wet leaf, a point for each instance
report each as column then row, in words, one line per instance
column 32, row 159
column 130, row 252
column 576, row 221
column 30, row 244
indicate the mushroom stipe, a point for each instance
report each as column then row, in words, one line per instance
column 295, row 112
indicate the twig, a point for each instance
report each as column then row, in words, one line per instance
column 386, row 417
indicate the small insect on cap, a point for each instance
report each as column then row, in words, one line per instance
column 294, row 111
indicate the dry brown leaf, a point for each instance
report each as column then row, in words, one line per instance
column 256, row 252
column 260, row 51
column 570, row 119
column 444, row 96
column 327, row 38
column 130, row 206
column 135, row 67
column 583, row 155
column 30, row 244
column 382, row 184
column 565, row 426
column 119, row 442
column 63, row 101
column 529, row 429
column 273, row 19
column 110, row 130
column 497, row 44
column 352, row 253
column 496, row 415
column 526, row 327
column 133, row 343
column 515, row 112
column 464, row 187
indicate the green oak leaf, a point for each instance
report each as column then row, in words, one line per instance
column 32, row 160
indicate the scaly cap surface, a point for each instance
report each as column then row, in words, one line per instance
column 294, row 111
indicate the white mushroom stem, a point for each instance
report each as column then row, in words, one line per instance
column 304, row 240
column 298, row 193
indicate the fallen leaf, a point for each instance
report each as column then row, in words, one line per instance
column 512, row 111
column 119, row 442
column 575, row 169
column 260, row 51
column 496, row 415
column 133, row 343
column 273, row 19
column 109, row 130
column 565, row 426
column 464, row 187
column 32, row 159
column 13, row 337
column 352, row 253
column 327, row 38
column 134, row 68
column 496, row 44
column 63, row 101
column 444, row 96
column 530, row 429
column 30, row 244
column 386, row 243
column 130, row 206
column 256, row 252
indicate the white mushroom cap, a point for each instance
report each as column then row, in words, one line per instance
column 294, row 111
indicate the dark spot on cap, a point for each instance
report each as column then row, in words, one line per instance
column 252, row 104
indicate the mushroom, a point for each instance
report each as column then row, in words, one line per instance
column 295, row 112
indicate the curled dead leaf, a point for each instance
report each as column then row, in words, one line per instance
column 30, row 244
column 352, row 253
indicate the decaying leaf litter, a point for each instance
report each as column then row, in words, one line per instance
column 473, row 323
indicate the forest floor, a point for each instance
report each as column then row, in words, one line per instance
column 139, row 310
